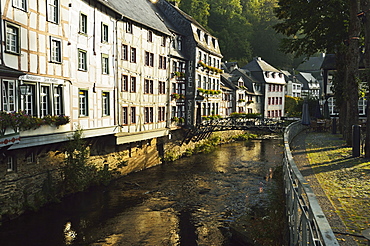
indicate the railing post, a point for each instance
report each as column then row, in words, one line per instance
column 366, row 234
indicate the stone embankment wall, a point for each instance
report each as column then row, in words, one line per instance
column 37, row 180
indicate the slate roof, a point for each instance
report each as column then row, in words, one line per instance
column 259, row 65
column 7, row 71
column 312, row 64
column 140, row 11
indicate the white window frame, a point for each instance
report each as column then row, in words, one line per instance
column 105, row 103
column 82, row 60
column 29, row 100
column 55, row 50
column 83, row 103
column 10, row 164
column 12, row 39
column 44, row 100
column 104, row 33
column 105, row 64
column 58, row 100
column 20, row 4
column 8, row 95
column 83, row 23
column 53, row 11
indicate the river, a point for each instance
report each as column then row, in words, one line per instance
column 191, row 201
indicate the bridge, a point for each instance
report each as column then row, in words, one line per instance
column 205, row 129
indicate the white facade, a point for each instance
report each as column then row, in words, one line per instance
column 274, row 94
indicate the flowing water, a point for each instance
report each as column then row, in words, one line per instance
column 191, row 201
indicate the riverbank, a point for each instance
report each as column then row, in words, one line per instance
column 341, row 183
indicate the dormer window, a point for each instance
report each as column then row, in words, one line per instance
column 198, row 32
column 150, row 36
column 267, row 74
column 206, row 38
column 179, row 43
column 128, row 27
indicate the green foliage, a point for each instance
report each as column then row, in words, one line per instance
column 312, row 26
column 245, row 115
column 78, row 173
column 293, row 106
column 244, row 137
column 19, row 121
column 243, row 28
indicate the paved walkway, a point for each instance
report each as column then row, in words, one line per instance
column 324, row 145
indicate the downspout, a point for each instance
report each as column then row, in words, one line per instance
column 1, row 37
column 115, row 93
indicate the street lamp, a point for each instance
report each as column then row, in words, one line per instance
column 23, row 89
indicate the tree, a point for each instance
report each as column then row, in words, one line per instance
column 317, row 26
column 198, row 9
column 365, row 6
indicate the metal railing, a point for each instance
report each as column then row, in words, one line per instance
column 307, row 222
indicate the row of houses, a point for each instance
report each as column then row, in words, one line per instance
column 127, row 70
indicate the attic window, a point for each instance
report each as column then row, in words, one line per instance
column 214, row 42
column 206, row 38
column 280, row 75
column 198, row 32
column 273, row 75
column 267, row 74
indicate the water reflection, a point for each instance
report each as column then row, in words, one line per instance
column 69, row 234
column 189, row 202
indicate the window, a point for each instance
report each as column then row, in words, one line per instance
column 162, row 87
column 162, row 62
column 44, row 101
column 163, row 41
column 55, row 50
column 21, row 4
column 104, row 64
column 83, row 103
column 161, row 114
column 150, row 36
column 10, row 165
column 58, row 100
column 133, row 84
column 133, row 115
column 179, row 43
column 133, row 55
column 124, row 115
column 148, row 86
column 124, row 83
column 30, row 158
column 12, row 38
column 105, row 102
column 104, row 32
column 149, row 59
column 29, row 101
column 9, row 91
column 82, row 60
column 148, row 113
column 124, row 52
column 53, row 11
column 83, row 23
column 128, row 27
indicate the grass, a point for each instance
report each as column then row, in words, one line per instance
column 345, row 179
